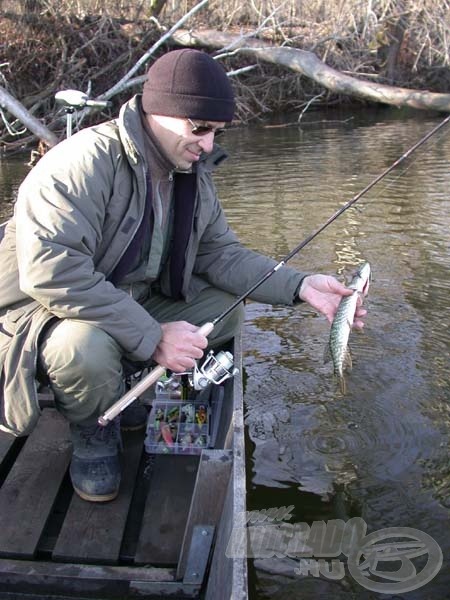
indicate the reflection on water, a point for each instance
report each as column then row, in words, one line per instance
column 12, row 172
column 381, row 452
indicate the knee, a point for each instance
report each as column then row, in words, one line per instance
column 74, row 347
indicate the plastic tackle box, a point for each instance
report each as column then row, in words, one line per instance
column 178, row 427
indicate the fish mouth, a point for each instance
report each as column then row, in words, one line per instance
column 365, row 289
column 365, row 273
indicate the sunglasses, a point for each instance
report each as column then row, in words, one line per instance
column 204, row 129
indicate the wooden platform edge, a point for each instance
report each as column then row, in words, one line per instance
column 61, row 581
column 233, row 572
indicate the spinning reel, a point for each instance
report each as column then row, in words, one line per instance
column 214, row 370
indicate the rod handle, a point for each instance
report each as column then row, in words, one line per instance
column 206, row 329
column 137, row 390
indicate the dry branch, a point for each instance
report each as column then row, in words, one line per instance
column 119, row 86
column 349, row 54
column 308, row 64
column 12, row 105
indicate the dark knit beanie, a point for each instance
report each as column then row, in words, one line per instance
column 188, row 83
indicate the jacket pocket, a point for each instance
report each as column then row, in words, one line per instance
column 8, row 327
column 9, row 322
column 19, row 407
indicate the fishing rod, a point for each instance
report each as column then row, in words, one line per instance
column 219, row 369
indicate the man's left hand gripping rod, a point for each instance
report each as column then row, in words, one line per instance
column 140, row 387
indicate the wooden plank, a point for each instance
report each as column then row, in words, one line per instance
column 208, row 498
column 46, row 398
column 64, row 580
column 28, row 493
column 6, row 443
column 136, row 511
column 166, row 509
column 92, row 532
column 10, row 447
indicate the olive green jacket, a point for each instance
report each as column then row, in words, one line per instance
column 76, row 213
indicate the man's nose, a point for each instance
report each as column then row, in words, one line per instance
column 206, row 142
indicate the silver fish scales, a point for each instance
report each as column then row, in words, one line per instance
column 337, row 348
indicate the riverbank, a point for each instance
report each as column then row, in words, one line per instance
column 90, row 46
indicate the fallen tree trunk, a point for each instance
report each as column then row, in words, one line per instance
column 300, row 61
column 16, row 108
column 309, row 65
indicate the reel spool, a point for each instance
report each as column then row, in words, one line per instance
column 215, row 369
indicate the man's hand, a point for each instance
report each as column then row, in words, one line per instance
column 180, row 344
column 324, row 294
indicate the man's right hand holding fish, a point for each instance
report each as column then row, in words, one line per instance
column 324, row 293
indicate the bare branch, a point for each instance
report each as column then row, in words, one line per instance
column 308, row 64
column 120, row 85
column 17, row 109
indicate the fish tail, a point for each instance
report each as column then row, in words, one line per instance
column 343, row 385
column 347, row 362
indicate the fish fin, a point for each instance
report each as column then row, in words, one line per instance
column 348, row 363
column 327, row 354
column 342, row 385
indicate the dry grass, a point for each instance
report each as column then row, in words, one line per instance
column 88, row 44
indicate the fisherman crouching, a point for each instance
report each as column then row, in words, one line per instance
column 117, row 252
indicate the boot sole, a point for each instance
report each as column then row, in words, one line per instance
column 98, row 498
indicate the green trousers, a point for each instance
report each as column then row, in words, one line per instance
column 84, row 365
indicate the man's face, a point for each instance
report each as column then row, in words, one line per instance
column 179, row 140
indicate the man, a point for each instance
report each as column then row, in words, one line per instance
column 118, row 250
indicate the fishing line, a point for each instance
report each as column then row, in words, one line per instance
column 391, row 182
column 333, row 217
column 207, row 328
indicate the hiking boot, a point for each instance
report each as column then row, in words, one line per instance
column 95, row 466
column 134, row 417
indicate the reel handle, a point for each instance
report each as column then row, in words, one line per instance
column 133, row 394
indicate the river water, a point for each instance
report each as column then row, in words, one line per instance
column 380, row 452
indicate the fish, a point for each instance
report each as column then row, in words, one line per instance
column 337, row 348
